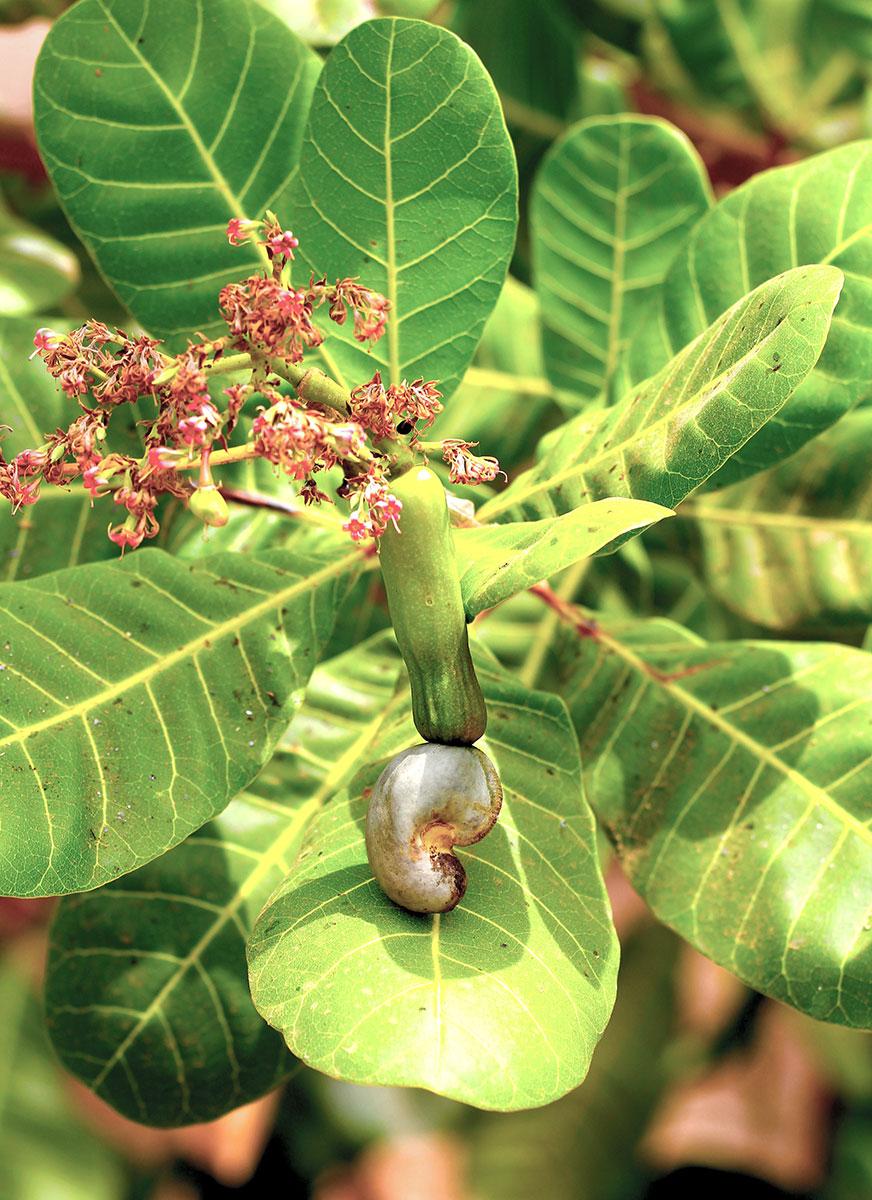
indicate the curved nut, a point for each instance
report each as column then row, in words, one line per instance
column 427, row 800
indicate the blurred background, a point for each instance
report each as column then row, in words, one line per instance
column 699, row 1087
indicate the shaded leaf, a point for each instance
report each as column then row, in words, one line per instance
column 134, row 967
column 497, row 561
column 36, row 272
column 500, row 1002
column 407, row 179
column 612, row 202
column 157, row 126
column 585, row 1135
column 45, row 1150
column 734, row 780
column 140, row 696
column 793, row 546
column 814, row 211
column 671, row 433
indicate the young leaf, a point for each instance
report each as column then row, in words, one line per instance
column 734, row 780
column 792, row 547
column 134, row 966
column 814, row 211
column 140, row 696
column 669, row 434
column 612, row 202
column 160, row 122
column 45, row 1149
column 500, row 1002
column 497, row 561
column 407, row 179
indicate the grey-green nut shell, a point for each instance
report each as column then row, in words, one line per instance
column 427, row 800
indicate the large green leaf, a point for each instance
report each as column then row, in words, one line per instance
column 612, row 203
column 140, row 696
column 63, row 528
column 670, row 434
column 45, row 1149
column 815, row 211
column 500, row 1002
column 158, row 122
column 734, row 779
column 792, row 547
column 134, row 966
column 497, row 561
column 407, row 179
column 504, row 400
column 531, row 51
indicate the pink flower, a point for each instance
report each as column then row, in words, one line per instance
column 93, row 481
column 127, row 536
column 282, row 245
column 44, row 340
column 357, row 529
column 162, row 458
column 239, row 229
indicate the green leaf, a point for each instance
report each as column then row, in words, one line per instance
column 63, row 528
column 585, row 1135
column 160, row 122
column 320, row 22
column 497, row 561
column 814, row 211
column 612, row 203
column 504, row 400
column 407, row 179
column 500, row 1002
column 669, row 434
column 45, row 1149
column 531, row 51
column 134, row 967
column 792, row 547
column 140, row 696
column 734, row 780
column 36, row 272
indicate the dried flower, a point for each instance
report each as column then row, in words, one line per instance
column 469, row 468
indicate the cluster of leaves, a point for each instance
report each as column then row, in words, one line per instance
column 703, row 358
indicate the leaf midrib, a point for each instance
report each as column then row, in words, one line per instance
column 764, row 519
column 213, row 634
column 739, row 737
column 235, row 206
column 714, row 385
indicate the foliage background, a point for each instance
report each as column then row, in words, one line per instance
column 698, row 1077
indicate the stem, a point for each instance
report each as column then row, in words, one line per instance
column 274, row 504
column 566, row 612
column 532, row 666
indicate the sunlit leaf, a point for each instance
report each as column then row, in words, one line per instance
column 814, row 211
column 158, row 123
column 498, row 561
column 671, row 433
column 612, row 202
column 734, row 780
column 36, row 272
column 140, row 696
column 500, row 1002
column 407, row 179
